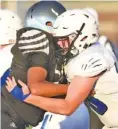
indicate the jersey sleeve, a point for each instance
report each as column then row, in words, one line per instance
column 38, row 60
column 34, row 45
column 92, row 65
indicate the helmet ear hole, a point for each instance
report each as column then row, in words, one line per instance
column 94, row 35
column 48, row 23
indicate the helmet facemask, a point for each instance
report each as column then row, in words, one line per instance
column 62, row 44
column 65, row 44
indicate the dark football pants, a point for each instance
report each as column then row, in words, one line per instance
column 8, row 116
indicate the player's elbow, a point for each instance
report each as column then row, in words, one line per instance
column 34, row 90
column 40, row 91
column 66, row 110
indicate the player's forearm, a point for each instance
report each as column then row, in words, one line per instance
column 48, row 89
column 60, row 106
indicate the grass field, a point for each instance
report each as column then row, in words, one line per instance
column 30, row 127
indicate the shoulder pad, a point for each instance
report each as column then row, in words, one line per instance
column 32, row 40
column 90, row 65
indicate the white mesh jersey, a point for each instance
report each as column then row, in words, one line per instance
column 92, row 62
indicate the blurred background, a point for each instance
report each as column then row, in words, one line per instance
column 107, row 10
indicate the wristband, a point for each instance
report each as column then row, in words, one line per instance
column 18, row 93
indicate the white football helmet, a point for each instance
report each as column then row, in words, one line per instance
column 93, row 12
column 9, row 24
column 75, row 30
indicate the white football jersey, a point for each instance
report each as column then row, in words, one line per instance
column 92, row 62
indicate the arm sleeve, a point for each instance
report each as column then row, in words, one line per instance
column 38, row 60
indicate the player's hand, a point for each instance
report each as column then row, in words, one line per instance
column 11, row 83
column 20, row 93
column 24, row 87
